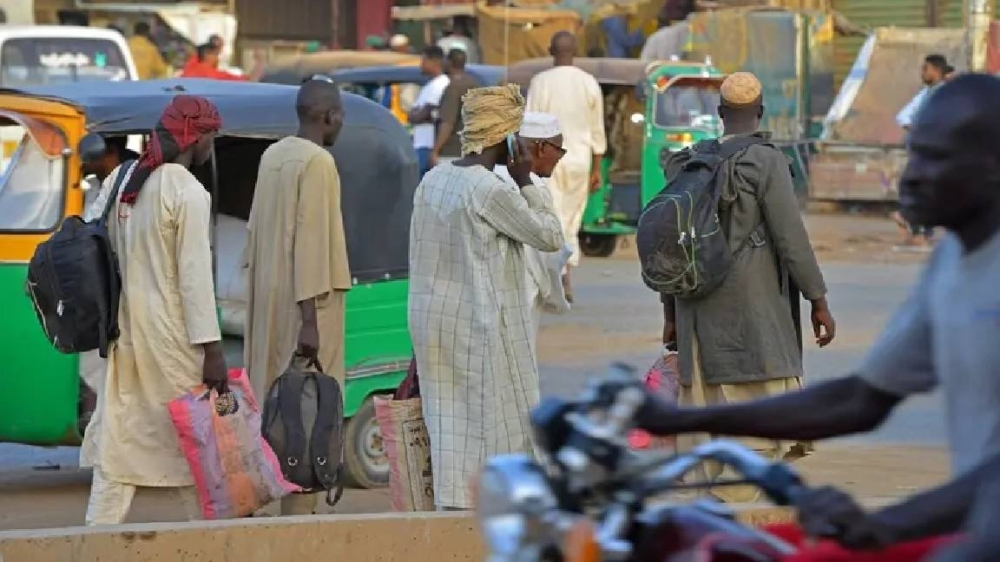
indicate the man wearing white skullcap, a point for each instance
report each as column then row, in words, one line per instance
column 543, row 135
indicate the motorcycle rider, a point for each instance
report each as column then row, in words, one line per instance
column 945, row 334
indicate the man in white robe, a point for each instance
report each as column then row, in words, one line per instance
column 541, row 132
column 170, row 341
column 469, row 313
column 575, row 98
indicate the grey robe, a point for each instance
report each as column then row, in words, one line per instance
column 748, row 329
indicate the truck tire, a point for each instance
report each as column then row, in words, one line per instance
column 365, row 464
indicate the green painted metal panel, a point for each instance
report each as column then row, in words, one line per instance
column 39, row 387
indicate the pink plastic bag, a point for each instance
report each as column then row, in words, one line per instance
column 235, row 471
column 663, row 378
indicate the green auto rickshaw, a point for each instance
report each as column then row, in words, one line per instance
column 40, row 403
column 649, row 108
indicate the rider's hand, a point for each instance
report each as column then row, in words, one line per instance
column 830, row 513
column 824, row 327
column 520, row 163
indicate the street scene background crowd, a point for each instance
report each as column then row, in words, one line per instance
column 502, row 302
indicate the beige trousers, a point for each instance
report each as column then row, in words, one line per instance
column 110, row 502
column 700, row 393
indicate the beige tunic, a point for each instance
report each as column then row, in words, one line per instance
column 470, row 318
column 575, row 98
column 296, row 251
column 167, row 313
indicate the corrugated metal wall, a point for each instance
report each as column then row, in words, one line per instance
column 899, row 13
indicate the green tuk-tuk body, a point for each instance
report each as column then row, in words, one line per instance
column 40, row 402
column 680, row 103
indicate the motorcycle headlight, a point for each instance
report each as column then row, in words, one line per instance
column 512, row 498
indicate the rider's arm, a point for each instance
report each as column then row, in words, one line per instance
column 943, row 510
column 901, row 364
column 982, row 542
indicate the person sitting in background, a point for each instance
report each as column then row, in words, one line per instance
column 149, row 63
column 399, row 43
column 619, row 41
column 205, row 64
column 671, row 40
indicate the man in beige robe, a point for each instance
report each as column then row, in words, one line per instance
column 170, row 341
column 297, row 255
column 575, row 98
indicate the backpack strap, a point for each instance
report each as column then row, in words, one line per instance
column 113, row 275
column 327, row 469
column 290, row 408
column 124, row 173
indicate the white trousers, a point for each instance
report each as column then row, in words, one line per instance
column 110, row 501
column 570, row 187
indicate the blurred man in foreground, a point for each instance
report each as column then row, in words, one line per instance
column 944, row 335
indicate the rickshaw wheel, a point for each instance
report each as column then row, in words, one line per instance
column 598, row 245
column 365, row 463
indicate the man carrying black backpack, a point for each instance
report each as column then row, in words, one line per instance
column 736, row 321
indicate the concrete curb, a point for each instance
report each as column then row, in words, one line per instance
column 358, row 538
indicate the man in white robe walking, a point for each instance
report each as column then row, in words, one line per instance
column 575, row 98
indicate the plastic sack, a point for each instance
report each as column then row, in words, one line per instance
column 235, row 471
column 663, row 378
column 408, row 448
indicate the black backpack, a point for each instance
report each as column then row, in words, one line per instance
column 304, row 423
column 74, row 282
column 682, row 246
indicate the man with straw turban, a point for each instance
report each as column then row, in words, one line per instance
column 470, row 315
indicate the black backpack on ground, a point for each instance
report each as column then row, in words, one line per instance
column 74, row 282
column 303, row 422
column 682, row 246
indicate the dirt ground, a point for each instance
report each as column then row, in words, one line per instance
column 41, row 499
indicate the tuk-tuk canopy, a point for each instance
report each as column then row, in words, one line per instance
column 293, row 70
column 487, row 75
column 616, row 72
column 375, row 156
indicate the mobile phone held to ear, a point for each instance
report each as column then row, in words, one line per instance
column 511, row 141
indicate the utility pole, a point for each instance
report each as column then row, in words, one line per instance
column 977, row 28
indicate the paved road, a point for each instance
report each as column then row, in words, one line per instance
column 616, row 319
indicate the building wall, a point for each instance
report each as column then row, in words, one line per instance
column 331, row 22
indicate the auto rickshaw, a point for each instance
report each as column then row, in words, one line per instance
column 649, row 107
column 368, row 81
column 39, row 403
column 294, row 70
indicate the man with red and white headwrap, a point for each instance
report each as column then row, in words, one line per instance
column 170, row 340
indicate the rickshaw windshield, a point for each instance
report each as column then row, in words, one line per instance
column 686, row 106
column 57, row 60
column 31, row 183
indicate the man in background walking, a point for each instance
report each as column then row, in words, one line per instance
column 426, row 107
column 296, row 255
column 149, row 63
column 575, row 98
column 670, row 42
column 448, row 145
